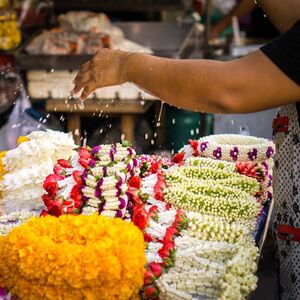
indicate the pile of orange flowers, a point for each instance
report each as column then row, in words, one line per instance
column 73, row 257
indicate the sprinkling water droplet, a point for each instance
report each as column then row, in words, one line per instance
column 158, row 124
column 152, row 142
column 52, row 70
column 155, row 134
column 44, row 121
column 142, row 102
column 101, row 130
column 172, row 151
column 122, row 137
column 173, row 121
column 48, row 116
column 160, row 111
column 265, row 15
column 146, row 136
column 197, row 131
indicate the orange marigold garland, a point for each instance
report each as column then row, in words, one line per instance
column 73, row 257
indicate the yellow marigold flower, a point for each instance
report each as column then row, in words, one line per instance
column 2, row 167
column 73, row 257
column 22, row 139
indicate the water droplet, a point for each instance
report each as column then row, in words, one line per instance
column 155, row 134
column 172, row 151
column 48, row 116
column 122, row 137
column 265, row 15
column 52, row 70
column 81, row 105
column 173, row 121
column 192, row 132
column 101, row 130
column 40, row 119
column 142, row 102
column 158, row 124
column 44, row 121
column 197, row 131
column 152, row 142
column 160, row 111
column 76, row 132
column 146, row 136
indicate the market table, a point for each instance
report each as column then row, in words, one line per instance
column 127, row 109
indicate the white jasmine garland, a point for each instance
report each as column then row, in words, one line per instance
column 231, row 147
column 14, row 219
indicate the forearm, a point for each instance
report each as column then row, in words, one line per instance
column 249, row 84
column 283, row 14
column 191, row 84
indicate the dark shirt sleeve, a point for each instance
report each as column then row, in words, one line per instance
column 284, row 52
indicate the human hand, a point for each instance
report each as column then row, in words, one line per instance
column 104, row 69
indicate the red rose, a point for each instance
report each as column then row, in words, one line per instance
column 156, row 269
column 159, row 195
column 148, row 278
column 50, row 184
column 135, row 182
column 84, row 153
column 77, row 177
column 58, row 170
column 55, row 208
column 194, row 145
column 47, row 200
column 169, row 235
column 155, row 167
column 151, row 292
column 140, row 218
column 147, row 237
column 164, row 252
column 64, row 163
column 44, row 213
column 76, row 193
column 178, row 158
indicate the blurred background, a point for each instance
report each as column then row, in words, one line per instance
column 43, row 43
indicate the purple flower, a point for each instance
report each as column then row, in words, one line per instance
column 84, row 176
column 217, row 153
column 92, row 163
column 234, row 153
column 119, row 214
column 104, row 170
column 112, row 153
column 98, row 190
column 252, row 154
column 95, row 150
column 122, row 203
column 203, row 146
column 270, row 152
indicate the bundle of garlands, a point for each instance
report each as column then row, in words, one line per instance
column 197, row 215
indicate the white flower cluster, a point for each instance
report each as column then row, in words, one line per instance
column 201, row 173
column 210, row 163
column 14, row 219
column 229, row 208
column 215, row 270
column 28, row 165
column 210, row 228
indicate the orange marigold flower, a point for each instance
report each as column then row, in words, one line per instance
column 22, row 139
column 73, row 257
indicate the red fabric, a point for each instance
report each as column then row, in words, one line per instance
column 281, row 124
column 286, row 232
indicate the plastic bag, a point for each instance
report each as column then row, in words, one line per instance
column 19, row 123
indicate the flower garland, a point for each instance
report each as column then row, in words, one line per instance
column 159, row 223
column 108, row 169
column 63, row 188
column 209, row 269
column 150, row 164
column 14, row 219
column 194, row 174
column 210, row 228
column 229, row 147
column 73, row 257
column 225, row 207
column 27, row 166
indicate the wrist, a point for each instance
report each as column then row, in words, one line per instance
column 129, row 62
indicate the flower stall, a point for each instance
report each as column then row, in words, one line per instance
column 106, row 223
